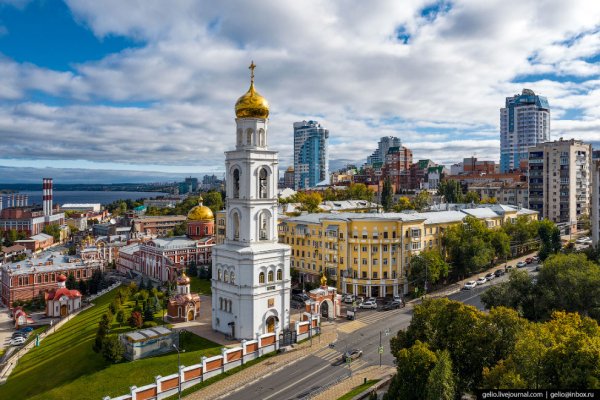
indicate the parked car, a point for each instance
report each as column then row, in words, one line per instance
column 529, row 260
column 521, row 264
column 368, row 304
column 583, row 240
column 535, row 259
column 372, row 299
column 359, row 299
column 348, row 299
column 508, row 267
column 17, row 341
column 490, row 276
column 499, row 273
column 352, row 354
column 481, row 280
column 27, row 329
column 398, row 298
column 300, row 297
column 392, row 305
column 469, row 285
column 19, row 334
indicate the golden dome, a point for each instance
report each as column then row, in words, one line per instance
column 252, row 104
column 200, row 213
column 183, row 279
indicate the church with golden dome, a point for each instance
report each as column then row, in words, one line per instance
column 251, row 269
column 164, row 259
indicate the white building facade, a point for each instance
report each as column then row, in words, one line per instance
column 251, row 270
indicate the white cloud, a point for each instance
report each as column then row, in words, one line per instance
column 335, row 61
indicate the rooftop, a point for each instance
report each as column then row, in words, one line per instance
column 47, row 261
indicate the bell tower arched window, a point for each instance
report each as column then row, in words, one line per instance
column 263, row 184
column 249, row 134
column 262, row 138
column 236, row 226
column 236, row 183
column 239, row 137
column 263, row 226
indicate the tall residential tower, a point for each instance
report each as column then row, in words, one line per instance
column 311, row 161
column 524, row 123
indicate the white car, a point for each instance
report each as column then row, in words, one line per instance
column 398, row 298
column 481, row 280
column 470, row 285
column 348, row 299
column 368, row 304
column 17, row 341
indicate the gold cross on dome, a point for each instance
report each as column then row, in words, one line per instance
column 251, row 68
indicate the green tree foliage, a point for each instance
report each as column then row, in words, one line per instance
column 214, row 201
column 387, row 195
column 451, row 190
column 469, row 246
column 440, row 383
column 112, row 349
column 550, row 238
column 474, row 339
column 427, row 265
column 565, row 282
column 180, row 229
column 309, row 202
column 402, row 204
column 421, row 200
column 192, row 269
column 148, row 314
column 120, row 316
column 471, row 197
column 414, row 366
column 53, row 230
column 71, row 283
column 561, row 353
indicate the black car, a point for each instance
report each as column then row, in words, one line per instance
column 499, row 272
column 392, row 305
column 20, row 334
column 301, row 298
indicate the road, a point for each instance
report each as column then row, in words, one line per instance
column 324, row 367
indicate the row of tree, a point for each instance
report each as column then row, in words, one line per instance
column 451, row 348
column 565, row 282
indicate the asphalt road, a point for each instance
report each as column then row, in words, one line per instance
column 317, row 371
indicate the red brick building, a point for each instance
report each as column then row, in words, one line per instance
column 24, row 280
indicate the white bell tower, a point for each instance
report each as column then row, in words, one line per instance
column 251, row 270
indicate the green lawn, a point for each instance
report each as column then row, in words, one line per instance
column 358, row 389
column 201, row 286
column 64, row 366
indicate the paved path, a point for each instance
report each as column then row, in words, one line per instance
column 238, row 381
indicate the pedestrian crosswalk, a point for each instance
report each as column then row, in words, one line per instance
column 369, row 319
column 333, row 356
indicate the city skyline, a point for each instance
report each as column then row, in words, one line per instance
column 145, row 88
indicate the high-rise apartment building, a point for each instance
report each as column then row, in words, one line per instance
column 524, row 122
column 383, row 146
column 559, row 180
column 311, row 161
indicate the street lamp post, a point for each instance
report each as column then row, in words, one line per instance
column 178, row 372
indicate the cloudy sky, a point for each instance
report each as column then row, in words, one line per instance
column 150, row 85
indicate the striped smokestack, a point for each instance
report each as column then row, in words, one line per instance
column 47, row 196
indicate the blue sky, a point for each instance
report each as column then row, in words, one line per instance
column 150, row 86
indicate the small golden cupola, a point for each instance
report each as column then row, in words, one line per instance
column 252, row 104
column 200, row 213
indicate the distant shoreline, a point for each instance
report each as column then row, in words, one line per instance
column 117, row 187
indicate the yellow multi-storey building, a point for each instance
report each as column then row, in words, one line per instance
column 367, row 254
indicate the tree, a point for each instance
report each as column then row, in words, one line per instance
column 427, row 266
column 120, row 316
column 112, row 349
column 309, row 202
column 387, row 197
column 451, row 191
column 53, row 230
column 148, row 314
column 82, row 287
column 71, row 283
column 214, row 201
column 421, row 200
column 472, row 197
column 403, row 203
column 414, row 366
column 550, row 238
column 12, row 236
column 192, row 269
column 180, row 229
column 468, row 246
column 136, row 320
column 440, row 382
column 357, row 191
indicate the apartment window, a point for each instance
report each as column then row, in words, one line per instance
column 385, row 274
column 385, row 248
column 374, row 275
column 374, row 261
column 374, row 249
column 364, row 249
column 356, row 261
column 364, row 261
column 385, row 235
column 364, row 274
